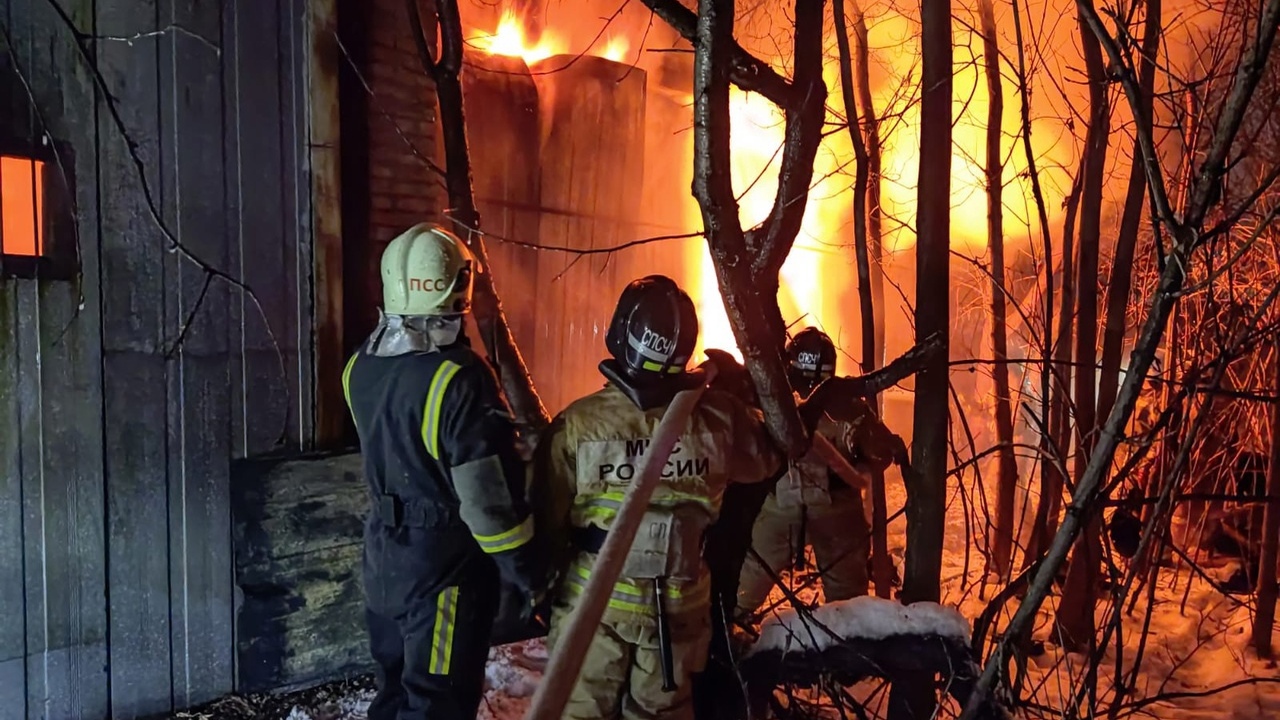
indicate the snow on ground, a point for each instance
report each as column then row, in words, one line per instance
column 868, row 618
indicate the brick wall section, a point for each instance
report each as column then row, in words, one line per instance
column 402, row 189
column 398, row 189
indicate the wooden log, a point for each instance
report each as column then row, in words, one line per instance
column 501, row 104
column 593, row 122
column 298, row 542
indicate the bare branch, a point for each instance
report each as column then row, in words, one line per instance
column 496, row 335
column 746, row 71
column 771, row 243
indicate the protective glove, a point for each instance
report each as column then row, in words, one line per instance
column 522, row 614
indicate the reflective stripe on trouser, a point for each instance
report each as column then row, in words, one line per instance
column 838, row 534
column 621, row 674
column 431, row 659
column 635, row 596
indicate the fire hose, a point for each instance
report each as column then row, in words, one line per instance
column 566, row 660
column 561, row 675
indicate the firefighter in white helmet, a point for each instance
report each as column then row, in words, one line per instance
column 450, row 524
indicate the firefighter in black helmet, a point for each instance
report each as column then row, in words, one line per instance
column 450, row 524
column 811, row 503
column 590, row 455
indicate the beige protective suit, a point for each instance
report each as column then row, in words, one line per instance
column 831, row 513
column 591, row 454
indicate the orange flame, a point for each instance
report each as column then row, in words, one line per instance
column 509, row 39
column 616, row 49
column 811, row 283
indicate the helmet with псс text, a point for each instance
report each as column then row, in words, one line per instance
column 426, row 270
column 811, row 358
column 654, row 328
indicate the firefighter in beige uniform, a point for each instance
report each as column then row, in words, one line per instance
column 811, row 505
column 589, row 456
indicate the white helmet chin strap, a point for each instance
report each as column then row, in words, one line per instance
column 404, row 334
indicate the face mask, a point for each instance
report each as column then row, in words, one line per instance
column 443, row 331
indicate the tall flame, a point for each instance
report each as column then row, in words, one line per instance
column 810, row 284
column 509, row 39
column 817, row 280
column 616, row 49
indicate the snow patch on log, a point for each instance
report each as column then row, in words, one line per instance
column 861, row 618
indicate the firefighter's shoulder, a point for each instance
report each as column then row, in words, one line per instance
column 603, row 406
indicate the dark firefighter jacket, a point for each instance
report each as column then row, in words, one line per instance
column 446, row 485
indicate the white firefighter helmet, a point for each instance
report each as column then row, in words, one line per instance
column 426, row 270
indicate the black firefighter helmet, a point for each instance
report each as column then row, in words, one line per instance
column 654, row 329
column 811, row 359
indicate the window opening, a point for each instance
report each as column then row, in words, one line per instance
column 22, row 199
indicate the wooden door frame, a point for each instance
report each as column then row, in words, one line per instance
column 325, row 153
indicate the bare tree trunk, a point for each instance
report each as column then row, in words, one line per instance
column 492, row 323
column 926, row 510
column 925, row 518
column 881, row 563
column 747, row 264
column 1046, row 370
column 1057, row 440
column 1135, row 204
column 1000, row 548
column 1264, row 620
column 875, row 214
column 1075, row 621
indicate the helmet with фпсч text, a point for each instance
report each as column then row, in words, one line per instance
column 811, row 358
column 654, row 328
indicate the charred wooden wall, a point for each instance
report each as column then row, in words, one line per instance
column 125, row 394
column 297, row 554
column 560, row 154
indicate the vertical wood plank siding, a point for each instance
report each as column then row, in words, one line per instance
column 125, row 395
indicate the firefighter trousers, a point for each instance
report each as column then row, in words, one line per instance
column 621, row 676
column 841, row 540
column 429, row 617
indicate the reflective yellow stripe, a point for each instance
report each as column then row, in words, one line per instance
column 509, row 540
column 629, row 597
column 442, row 632
column 346, row 384
column 431, row 411
column 657, row 367
column 601, row 509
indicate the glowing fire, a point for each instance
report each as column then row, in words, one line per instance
column 970, row 102
column 509, row 39
column 811, row 282
column 818, row 279
column 616, row 49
